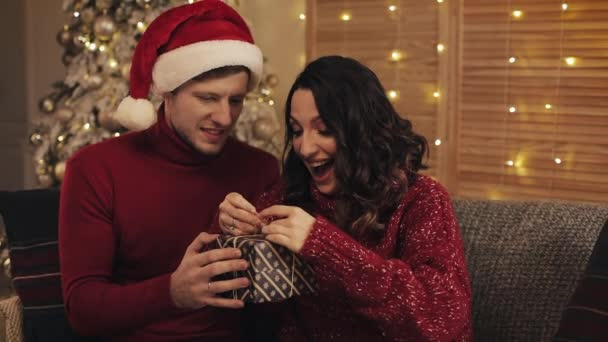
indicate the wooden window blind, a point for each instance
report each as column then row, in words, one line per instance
column 536, row 127
column 533, row 127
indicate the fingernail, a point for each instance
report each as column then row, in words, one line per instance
column 237, row 253
column 245, row 264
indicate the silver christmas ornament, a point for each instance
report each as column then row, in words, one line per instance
column 104, row 27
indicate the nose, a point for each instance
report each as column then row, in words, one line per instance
column 308, row 146
column 223, row 116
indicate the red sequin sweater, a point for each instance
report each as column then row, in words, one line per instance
column 410, row 285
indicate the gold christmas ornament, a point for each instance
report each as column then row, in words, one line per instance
column 88, row 15
column 42, row 168
column 93, row 81
column 63, row 114
column 144, row 3
column 125, row 71
column 104, row 27
column 59, row 170
column 78, row 42
column 45, row 181
column 46, row 105
column 6, row 264
column 64, row 37
column 272, row 80
column 36, row 138
column 107, row 121
column 85, row 29
column 104, row 5
column 264, row 128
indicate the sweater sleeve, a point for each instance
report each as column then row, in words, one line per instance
column 95, row 304
column 422, row 293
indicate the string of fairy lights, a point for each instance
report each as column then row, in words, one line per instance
column 569, row 61
column 396, row 55
column 515, row 15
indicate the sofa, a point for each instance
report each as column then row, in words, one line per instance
column 525, row 260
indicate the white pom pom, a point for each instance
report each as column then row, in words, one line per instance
column 135, row 114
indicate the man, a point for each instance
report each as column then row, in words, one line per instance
column 136, row 261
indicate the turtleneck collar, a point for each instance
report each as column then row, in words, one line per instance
column 324, row 204
column 172, row 147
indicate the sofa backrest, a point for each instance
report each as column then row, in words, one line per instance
column 31, row 220
column 524, row 259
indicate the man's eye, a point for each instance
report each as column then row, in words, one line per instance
column 236, row 102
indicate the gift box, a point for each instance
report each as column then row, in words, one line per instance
column 275, row 272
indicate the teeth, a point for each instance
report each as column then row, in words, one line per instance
column 317, row 164
column 213, row 131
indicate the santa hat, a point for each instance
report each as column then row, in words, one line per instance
column 180, row 44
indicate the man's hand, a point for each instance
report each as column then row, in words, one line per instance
column 191, row 285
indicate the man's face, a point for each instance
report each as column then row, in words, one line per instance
column 204, row 112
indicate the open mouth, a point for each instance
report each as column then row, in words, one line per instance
column 320, row 169
column 213, row 135
column 213, row 131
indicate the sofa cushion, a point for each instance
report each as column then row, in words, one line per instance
column 30, row 218
column 524, row 260
column 586, row 316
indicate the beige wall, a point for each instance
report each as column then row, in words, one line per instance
column 12, row 94
column 43, row 19
column 30, row 62
column 281, row 36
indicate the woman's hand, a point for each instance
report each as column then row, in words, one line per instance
column 237, row 216
column 291, row 226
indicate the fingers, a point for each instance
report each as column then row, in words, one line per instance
column 228, row 285
column 215, row 255
column 276, row 228
column 224, row 303
column 240, row 202
column 199, row 242
column 237, row 212
column 280, row 239
column 242, row 221
column 277, row 211
column 279, row 234
column 224, row 266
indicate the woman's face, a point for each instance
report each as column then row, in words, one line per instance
column 312, row 141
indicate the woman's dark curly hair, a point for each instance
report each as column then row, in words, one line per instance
column 378, row 154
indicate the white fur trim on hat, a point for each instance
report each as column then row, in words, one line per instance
column 135, row 114
column 176, row 67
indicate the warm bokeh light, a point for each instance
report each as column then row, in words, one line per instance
column 345, row 16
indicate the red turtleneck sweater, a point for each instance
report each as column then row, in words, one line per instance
column 129, row 208
column 410, row 285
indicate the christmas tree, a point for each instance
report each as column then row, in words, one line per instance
column 98, row 40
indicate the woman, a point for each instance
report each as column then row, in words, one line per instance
column 382, row 239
